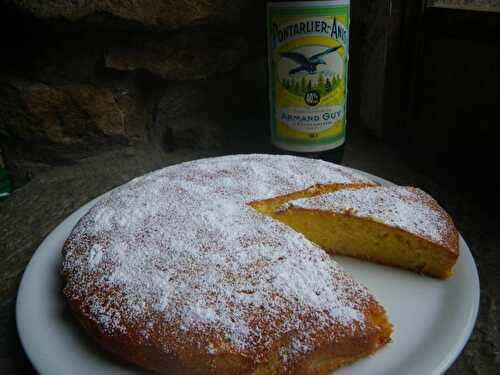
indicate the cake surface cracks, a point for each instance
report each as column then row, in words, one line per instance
column 180, row 250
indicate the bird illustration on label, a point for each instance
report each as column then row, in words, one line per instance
column 309, row 65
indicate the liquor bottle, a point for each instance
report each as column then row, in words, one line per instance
column 308, row 53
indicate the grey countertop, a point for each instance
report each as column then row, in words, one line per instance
column 38, row 207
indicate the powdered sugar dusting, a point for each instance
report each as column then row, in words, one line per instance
column 406, row 208
column 179, row 250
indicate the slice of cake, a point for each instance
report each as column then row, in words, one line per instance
column 397, row 226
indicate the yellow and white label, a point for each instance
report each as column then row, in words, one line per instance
column 308, row 45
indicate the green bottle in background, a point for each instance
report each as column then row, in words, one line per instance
column 308, row 54
column 5, row 185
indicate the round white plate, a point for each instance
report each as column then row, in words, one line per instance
column 432, row 319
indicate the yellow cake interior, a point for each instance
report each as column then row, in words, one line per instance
column 346, row 234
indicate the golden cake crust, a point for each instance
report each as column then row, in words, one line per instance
column 176, row 273
column 193, row 359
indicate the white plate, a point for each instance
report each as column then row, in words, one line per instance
column 432, row 319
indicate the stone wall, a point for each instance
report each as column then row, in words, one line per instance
column 83, row 77
column 88, row 76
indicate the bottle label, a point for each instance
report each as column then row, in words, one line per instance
column 308, row 49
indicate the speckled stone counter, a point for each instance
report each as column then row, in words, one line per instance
column 38, row 207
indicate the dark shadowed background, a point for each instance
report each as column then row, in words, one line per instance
column 93, row 93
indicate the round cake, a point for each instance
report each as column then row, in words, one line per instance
column 177, row 272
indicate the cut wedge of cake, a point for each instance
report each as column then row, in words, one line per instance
column 397, row 226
